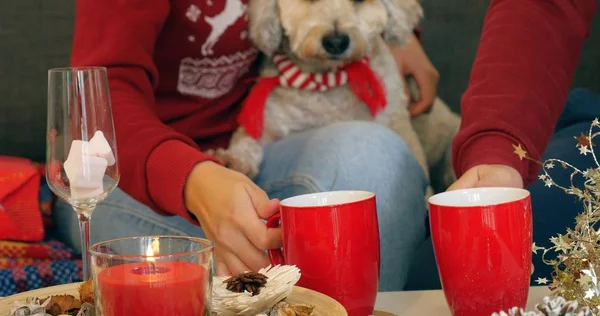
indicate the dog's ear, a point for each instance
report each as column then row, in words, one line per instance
column 403, row 16
column 264, row 25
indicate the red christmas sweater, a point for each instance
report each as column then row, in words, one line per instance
column 520, row 80
column 177, row 72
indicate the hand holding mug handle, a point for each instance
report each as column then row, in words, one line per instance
column 275, row 255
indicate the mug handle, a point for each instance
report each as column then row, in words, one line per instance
column 275, row 255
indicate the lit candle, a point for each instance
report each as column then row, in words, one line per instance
column 153, row 287
column 153, row 250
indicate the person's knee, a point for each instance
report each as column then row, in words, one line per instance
column 583, row 105
column 369, row 152
column 120, row 215
column 578, row 93
column 583, row 102
column 120, row 201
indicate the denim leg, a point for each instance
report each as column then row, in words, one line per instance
column 351, row 156
column 554, row 210
column 119, row 216
column 582, row 105
column 357, row 156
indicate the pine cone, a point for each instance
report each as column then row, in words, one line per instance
column 515, row 311
column 248, row 281
column 552, row 306
column 558, row 306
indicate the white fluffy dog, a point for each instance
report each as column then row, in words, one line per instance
column 328, row 61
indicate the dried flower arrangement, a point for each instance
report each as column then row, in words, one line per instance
column 258, row 294
column 575, row 283
column 58, row 305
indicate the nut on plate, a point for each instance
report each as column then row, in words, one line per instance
column 284, row 308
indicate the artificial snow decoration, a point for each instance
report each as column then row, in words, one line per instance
column 280, row 281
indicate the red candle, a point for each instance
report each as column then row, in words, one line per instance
column 147, row 289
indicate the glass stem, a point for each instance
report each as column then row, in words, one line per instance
column 84, row 231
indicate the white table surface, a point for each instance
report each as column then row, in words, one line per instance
column 425, row 303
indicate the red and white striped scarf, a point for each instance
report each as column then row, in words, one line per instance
column 292, row 76
column 359, row 75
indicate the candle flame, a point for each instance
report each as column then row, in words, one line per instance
column 153, row 250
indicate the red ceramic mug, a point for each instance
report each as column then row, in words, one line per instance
column 333, row 238
column 482, row 241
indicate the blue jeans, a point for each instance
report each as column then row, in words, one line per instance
column 342, row 156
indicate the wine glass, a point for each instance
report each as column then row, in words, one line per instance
column 81, row 153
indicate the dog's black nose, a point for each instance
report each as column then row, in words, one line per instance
column 336, row 43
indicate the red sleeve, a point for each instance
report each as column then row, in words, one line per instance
column 520, row 80
column 154, row 159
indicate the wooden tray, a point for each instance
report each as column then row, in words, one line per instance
column 324, row 305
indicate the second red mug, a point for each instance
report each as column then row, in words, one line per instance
column 333, row 238
column 482, row 241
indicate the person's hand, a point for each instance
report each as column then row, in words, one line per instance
column 412, row 61
column 231, row 209
column 489, row 176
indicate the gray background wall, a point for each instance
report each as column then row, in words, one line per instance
column 451, row 35
column 35, row 35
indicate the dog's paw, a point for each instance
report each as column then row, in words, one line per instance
column 218, row 153
column 210, row 152
column 245, row 164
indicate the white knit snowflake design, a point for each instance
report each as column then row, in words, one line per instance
column 193, row 13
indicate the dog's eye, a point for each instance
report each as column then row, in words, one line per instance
column 358, row 1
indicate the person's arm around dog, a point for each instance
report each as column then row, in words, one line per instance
column 519, row 84
column 413, row 61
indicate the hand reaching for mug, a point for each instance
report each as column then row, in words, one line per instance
column 231, row 209
column 489, row 176
column 412, row 61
